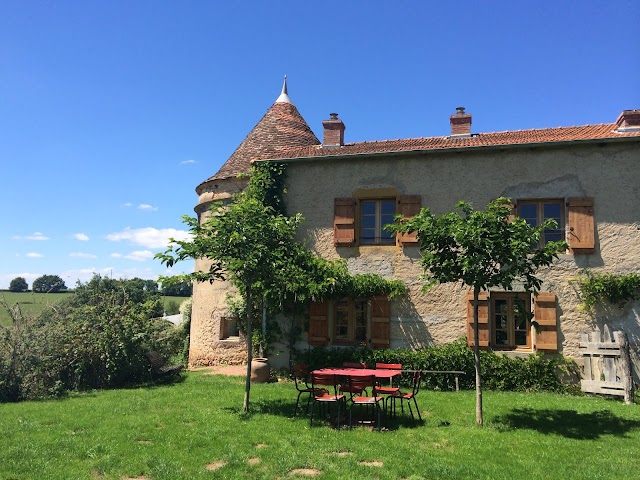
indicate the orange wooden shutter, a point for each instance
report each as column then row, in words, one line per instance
column 483, row 319
column 514, row 211
column 380, row 322
column 408, row 206
column 344, row 222
column 318, row 323
column 545, row 313
column 581, row 225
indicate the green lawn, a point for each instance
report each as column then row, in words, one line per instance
column 176, row 431
column 33, row 303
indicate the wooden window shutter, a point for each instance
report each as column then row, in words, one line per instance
column 483, row 319
column 545, row 313
column 581, row 225
column 318, row 323
column 408, row 206
column 380, row 322
column 344, row 222
column 514, row 211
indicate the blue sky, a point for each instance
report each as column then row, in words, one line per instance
column 112, row 112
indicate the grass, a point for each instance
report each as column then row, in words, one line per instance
column 179, row 431
column 32, row 303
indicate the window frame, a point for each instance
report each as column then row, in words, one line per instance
column 540, row 218
column 510, row 298
column 379, row 226
column 350, row 307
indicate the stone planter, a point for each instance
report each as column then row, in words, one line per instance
column 259, row 370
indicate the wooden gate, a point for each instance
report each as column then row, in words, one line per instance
column 607, row 364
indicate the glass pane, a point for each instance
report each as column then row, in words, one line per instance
column 361, row 321
column 388, row 207
column 552, row 210
column 521, row 338
column 501, row 337
column 368, row 207
column 553, row 236
column 501, row 322
column 528, row 211
column 368, row 236
column 501, row 307
column 368, row 221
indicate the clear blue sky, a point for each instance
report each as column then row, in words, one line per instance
column 112, row 112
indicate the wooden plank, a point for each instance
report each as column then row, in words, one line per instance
column 608, row 361
column 593, row 350
column 610, row 345
column 625, row 366
column 587, row 360
column 601, row 383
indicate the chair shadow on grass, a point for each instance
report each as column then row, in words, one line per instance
column 567, row 423
column 285, row 408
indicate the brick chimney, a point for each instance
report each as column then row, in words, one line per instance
column 628, row 121
column 460, row 123
column 333, row 131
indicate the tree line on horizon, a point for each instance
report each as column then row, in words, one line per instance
column 55, row 284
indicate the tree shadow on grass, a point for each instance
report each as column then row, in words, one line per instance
column 567, row 423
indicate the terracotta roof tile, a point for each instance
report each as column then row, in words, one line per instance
column 282, row 127
column 516, row 137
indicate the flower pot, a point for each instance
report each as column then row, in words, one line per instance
column 260, row 370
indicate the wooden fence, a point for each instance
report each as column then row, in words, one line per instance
column 607, row 364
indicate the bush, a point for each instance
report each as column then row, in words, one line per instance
column 75, row 347
column 499, row 372
column 172, row 308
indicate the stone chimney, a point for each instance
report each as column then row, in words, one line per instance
column 628, row 121
column 460, row 123
column 333, row 131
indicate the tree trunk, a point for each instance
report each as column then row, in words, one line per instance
column 247, row 384
column 476, row 356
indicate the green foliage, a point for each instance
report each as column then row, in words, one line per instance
column 616, row 289
column 176, row 287
column 75, row 346
column 185, row 329
column 18, row 284
column 533, row 373
column 48, row 284
column 172, row 308
column 135, row 290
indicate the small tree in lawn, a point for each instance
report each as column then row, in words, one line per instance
column 481, row 249
column 250, row 241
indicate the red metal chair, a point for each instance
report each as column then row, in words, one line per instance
column 415, row 388
column 373, row 401
column 354, row 387
column 390, row 389
column 324, row 396
column 301, row 378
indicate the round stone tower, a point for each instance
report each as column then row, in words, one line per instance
column 214, row 332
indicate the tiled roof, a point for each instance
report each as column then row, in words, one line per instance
column 282, row 127
column 516, row 137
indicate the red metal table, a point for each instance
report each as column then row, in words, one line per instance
column 358, row 372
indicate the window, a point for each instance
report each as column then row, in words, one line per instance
column 229, row 328
column 374, row 215
column 535, row 212
column 511, row 325
column 351, row 322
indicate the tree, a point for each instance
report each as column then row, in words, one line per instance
column 18, row 284
column 482, row 249
column 48, row 284
column 177, row 288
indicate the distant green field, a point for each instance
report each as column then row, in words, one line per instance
column 33, row 303
column 30, row 303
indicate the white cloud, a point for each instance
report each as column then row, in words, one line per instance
column 34, row 236
column 147, row 207
column 188, row 162
column 34, row 255
column 149, row 237
column 81, row 236
column 5, row 278
column 136, row 255
column 82, row 255
column 127, row 204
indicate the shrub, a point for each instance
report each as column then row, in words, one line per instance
column 172, row 308
column 500, row 372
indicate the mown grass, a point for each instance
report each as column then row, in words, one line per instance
column 32, row 304
column 176, row 431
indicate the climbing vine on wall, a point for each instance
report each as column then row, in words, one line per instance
column 600, row 288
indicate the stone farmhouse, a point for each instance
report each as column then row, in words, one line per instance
column 586, row 177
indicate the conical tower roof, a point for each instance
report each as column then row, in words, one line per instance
column 281, row 128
